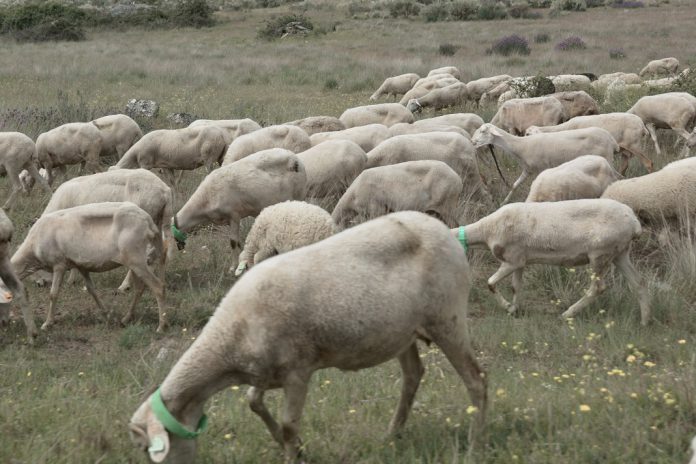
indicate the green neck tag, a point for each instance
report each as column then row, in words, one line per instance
column 178, row 235
column 170, row 423
column 462, row 238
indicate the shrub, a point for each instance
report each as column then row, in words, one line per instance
column 539, row 3
column 569, row 5
column 542, row 37
column 277, row 27
column 685, row 82
column 404, row 9
column 617, row 54
column 511, row 45
column 435, row 12
column 448, row 49
column 331, row 84
column 571, row 43
column 536, row 86
column 45, row 21
column 519, row 10
column 464, row 11
column 627, row 4
column 491, row 11
column 595, row 3
column 192, row 13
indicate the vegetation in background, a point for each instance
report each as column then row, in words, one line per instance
column 571, row 43
column 277, row 27
column 510, row 45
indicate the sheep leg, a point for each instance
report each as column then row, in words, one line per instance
column 14, row 283
column 517, row 183
column 127, row 282
column 516, row 289
column 13, row 175
column 624, row 163
column 295, row 390
column 139, row 287
column 597, row 286
column 72, row 277
column 181, row 175
column 90, row 288
column 636, row 283
column 156, row 286
column 647, row 162
column 653, row 136
column 58, row 273
column 503, row 271
column 497, row 166
column 38, row 178
column 256, row 404
column 411, row 371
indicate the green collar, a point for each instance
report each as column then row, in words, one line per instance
column 178, row 235
column 462, row 238
column 170, row 423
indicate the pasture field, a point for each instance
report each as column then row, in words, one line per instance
column 597, row 389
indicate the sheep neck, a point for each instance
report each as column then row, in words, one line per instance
column 511, row 144
column 476, row 234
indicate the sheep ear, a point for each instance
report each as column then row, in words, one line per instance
column 158, row 437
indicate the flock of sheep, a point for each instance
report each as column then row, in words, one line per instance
column 386, row 282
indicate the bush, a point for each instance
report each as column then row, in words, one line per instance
column 491, row 11
column 685, row 82
column 536, row 86
column 594, row 3
column 464, row 11
column 435, row 12
column 38, row 22
column 627, row 4
column 617, row 54
column 277, row 27
column 331, row 84
column 404, row 9
column 519, row 10
column 571, row 43
column 511, row 45
column 542, row 37
column 569, row 5
column 192, row 13
column 539, row 3
column 448, row 49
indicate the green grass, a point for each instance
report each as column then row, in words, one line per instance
column 68, row 399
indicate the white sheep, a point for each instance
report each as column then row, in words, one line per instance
column 233, row 127
column 426, row 126
column 18, row 153
column 284, row 227
column 396, row 85
column 516, row 115
column 332, row 166
column 403, row 279
column 435, row 77
column 542, row 151
column 628, row 130
column 693, row 451
column 11, row 288
column 367, row 137
column 387, row 114
column 467, row 121
column 437, row 99
column 570, row 82
column 664, row 66
column 97, row 237
column 72, row 143
column 478, row 87
column 576, row 103
column 564, row 233
column 286, row 137
column 241, row 189
column 605, row 80
column 119, row 133
column 428, row 186
column 315, row 124
column 584, row 177
column 673, row 111
column 428, row 84
column 451, row 70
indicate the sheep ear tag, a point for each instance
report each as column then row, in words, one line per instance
column 157, row 449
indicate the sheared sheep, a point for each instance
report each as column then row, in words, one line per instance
column 451, row 70
column 367, row 137
column 119, row 133
column 332, row 166
column 428, row 186
column 11, row 287
column 437, row 99
column 396, row 85
column 435, row 77
column 18, row 153
column 314, row 308
column 233, row 128
column 673, row 111
column 286, row 137
column 577, row 103
column 284, row 227
column 428, row 84
column 381, row 113
column 93, row 238
column 516, row 115
column 662, row 67
column 570, row 82
column 427, row 126
column 605, row 80
column 467, row 121
column 73, row 143
column 564, row 233
column 628, row 130
column 542, row 151
column 315, row 124
column 584, row 177
column 240, row 189
column 478, row 87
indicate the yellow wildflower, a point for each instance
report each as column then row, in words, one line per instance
column 584, row 408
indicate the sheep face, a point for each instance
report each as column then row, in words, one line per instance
column 532, row 130
column 484, row 135
column 413, row 106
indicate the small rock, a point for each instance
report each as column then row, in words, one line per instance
column 147, row 108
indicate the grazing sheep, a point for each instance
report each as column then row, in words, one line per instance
column 584, row 177
column 332, row 166
column 435, row 77
column 316, row 308
column 73, row 143
column 663, row 67
column 628, row 130
column 428, row 186
column 240, row 189
column 427, row 126
column 396, row 85
column 542, row 151
column 18, row 153
column 10, row 286
column 478, row 87
column 233, row 128
column 564, row 233
column 516, row 115
column 428, row 84
column 387, row 114
column 570, row 82
column 119, row 133
column 496, row 94
column 666, row 111
column 451, row 70
column 577, row 103
column 605, row 80
column 453, row 149
column 286, row 137
column 93, row 238
column 664, row 195
column 437, row 99
column 467, row 121
column 315, row 124
column 367, row 137
column 284, row 227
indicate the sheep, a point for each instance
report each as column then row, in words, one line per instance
column 518, row 87
column 97, row 237
column 367, row 137
column 478, row 87
column 435, row 77
column 427, row 126
column 420, row 90
column 665, row 195
column 665, row 66
column 11, row 287
column 396, row 85
column 577, row 103
column 542, row 151
column 584, row 177
column 119, row 133
column 437, row 99
column 284, row 227
column 628, row 130
column 496, row 94
column 451, row 70
column 332, row 166
column 315, row 308
column 570, row 82
column 286, row 137
column 18, row 153
column 516, row 115
column 429, row 186
column 387, row 114
column 467, row 121
column 233, row 128
column 315, row 124
column 564, row 233
column 605, row 80
column 666, row 111
column 240, row 189
column 72, row 143
column 693, row 451
column 453, row 149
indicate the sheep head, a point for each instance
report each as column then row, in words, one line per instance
column 532, row 130
column 413, row 106
column 484, row 135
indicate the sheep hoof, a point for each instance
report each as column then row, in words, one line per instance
column 46, row 325
column 122, row 289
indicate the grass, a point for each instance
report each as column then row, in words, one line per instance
column 68, row 399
